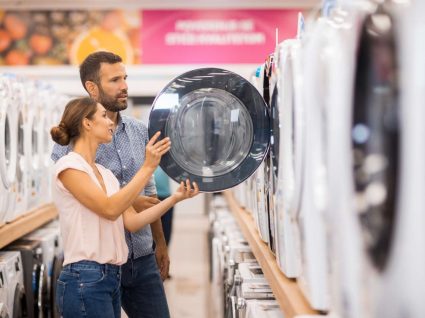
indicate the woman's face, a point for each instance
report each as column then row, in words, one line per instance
column 102, row 125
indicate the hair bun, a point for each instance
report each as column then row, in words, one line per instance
column 60, row 134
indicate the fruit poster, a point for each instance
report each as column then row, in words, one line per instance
column 60, row 37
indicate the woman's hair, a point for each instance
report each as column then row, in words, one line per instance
column 72, row 118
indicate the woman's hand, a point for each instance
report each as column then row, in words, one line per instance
column 185, row 191
column 155, row 150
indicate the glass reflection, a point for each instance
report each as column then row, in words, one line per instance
column 211, row 132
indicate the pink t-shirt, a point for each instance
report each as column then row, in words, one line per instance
column 85, row 234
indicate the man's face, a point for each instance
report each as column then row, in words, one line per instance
column 113, row 87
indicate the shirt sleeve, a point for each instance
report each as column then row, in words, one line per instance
column 150, row 188
column 59, row 151
column 63, row 164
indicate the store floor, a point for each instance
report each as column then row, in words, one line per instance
column 188, row 289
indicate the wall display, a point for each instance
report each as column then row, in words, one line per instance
column 219, row 128
column 213, row 36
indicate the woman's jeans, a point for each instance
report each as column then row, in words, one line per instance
column 89, row 289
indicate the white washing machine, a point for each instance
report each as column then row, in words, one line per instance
column 11, row 263
column 314, row 276
column 290, row 159
column 404, row 278
column 348, row 280
column 261, row 213
column 3, row 291
column 8, row 142
column 262, row 308
column 20, row 186
column 35, row 276
column 31, row 151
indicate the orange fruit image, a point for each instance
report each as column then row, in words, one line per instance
column 40, row 44
column 17, row 57
column 16, row 26
column 5, row 40
column 99, row 39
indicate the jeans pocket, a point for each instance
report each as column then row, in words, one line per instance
column 60, row 293
column 90, row 276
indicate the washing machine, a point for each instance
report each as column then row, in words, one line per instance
column 13, row 281
column 8, row 142
column 347, row 256
column 3, row 291
column 314, row 277
column 260, row 211
column 375, row 130
column 218, row 124
column 262, row 308
column 31, row 160
column 403, row 276
column 20, row 186
column 35, row 276
column 249, row 283
column 54, row 271
column 288, row 140
column 52, row 257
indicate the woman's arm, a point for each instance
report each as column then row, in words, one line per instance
column 134, row 221
column 85, row 190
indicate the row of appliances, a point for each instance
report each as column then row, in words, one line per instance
column 238, row 285
column 28, row 109
column 338, row 197
column 327, row 145
column 29, row 268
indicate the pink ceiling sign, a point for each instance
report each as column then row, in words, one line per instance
column 213, row 36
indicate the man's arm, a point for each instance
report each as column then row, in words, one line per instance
column 161, row 252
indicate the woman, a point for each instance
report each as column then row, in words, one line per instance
column 93, row 211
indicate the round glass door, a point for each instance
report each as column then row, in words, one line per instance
column 375, row 135
column 218, row 124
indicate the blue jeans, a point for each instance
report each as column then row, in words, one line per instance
column 142, row 289
column 89, row 289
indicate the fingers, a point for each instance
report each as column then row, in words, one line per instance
column 154, row 138
column 188, row 191
column 196, row 188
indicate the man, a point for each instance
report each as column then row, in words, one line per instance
column 104, row 77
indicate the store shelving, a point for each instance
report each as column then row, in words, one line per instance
column 287, row 293
column 27, row 223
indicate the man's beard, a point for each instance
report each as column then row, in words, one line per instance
column 111, row 103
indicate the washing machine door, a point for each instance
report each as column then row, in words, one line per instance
column 375, row 135
column 56, row 270
column 20, row 303
column 8, row 152
column 218, row 124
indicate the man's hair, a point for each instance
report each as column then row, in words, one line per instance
column 89, row 69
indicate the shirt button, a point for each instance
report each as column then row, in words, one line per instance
column 119, row 150
column 124, row 167
column 124, row 183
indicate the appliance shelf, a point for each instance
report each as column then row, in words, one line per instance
column 27, row 223
column 287, row 293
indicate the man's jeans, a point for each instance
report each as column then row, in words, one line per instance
column 89, row 289
column 142, row 289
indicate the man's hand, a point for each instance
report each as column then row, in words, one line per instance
column 161, row 252
column 163, row 261
column 144, row 202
